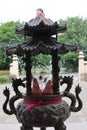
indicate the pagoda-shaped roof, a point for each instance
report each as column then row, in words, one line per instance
column 41, row 30
column 45, row 46
column 40, row 25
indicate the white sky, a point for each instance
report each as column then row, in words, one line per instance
column 24, row 10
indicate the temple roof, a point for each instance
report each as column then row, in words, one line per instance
column 40, row 25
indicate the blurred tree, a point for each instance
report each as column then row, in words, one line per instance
column 76, row 33
column 4, row 60
column 8, row 37
column 41, row 60
column 70, row 61
column 7, row 33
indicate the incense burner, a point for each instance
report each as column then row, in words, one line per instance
column 41, row 108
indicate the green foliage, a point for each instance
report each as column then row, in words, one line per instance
column 76, row 33
column 4, row 77
column 4, row 72
column 41, row 60
column 7, row 36
column 4, row 60
column 70, row 61
column 7, row 33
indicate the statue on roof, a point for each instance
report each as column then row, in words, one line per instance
column 40, row 13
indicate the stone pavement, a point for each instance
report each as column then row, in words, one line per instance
column 70, row 126
column 77, row 120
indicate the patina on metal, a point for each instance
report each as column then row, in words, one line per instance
column 41, row 108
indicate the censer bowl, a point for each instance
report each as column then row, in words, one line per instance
column 47, row 110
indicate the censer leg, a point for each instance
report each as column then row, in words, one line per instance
column 25, row 127
column 60, row 127
column 43, row 128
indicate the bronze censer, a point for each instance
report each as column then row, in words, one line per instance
column 41, row 108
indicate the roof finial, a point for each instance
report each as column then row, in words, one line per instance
column 40, row 13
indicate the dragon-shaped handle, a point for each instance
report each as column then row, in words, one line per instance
column 73, row 99
column 10, row 101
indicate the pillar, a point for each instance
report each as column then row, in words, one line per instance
column 14, row 69
column 81, row 68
